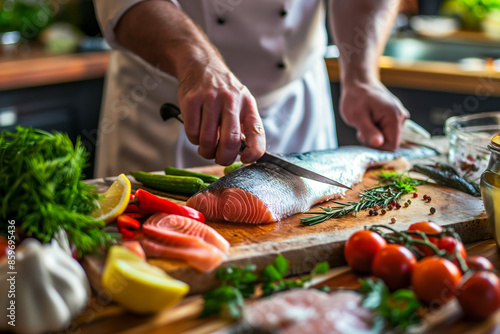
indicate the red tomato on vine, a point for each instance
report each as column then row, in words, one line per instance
column 394, row 265
column 360, row 249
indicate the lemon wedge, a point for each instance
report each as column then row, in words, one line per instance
column 114, row 201
column 138, row 286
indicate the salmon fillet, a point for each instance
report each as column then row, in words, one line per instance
column 204, row 258
column 166, row 227
column 181, row 238
column 265, row 193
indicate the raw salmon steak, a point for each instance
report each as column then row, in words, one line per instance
column 164, row 226
column 203, row 257
column 181, row 238
column 265, row 193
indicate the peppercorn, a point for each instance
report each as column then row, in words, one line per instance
column 389, row 207
column 406, row 204
column 376, row 207
column 382, row 212
column 432, row 210
column 415, row 195
column 398, row 206
column 393, row 220
column 429, row 199
column 375, row 213
column 408, row 201
column 371, row 212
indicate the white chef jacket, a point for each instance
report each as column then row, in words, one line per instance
column 274, row 47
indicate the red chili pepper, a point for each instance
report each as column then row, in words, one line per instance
column 127, row 234
column 128, row 222
column 128, row 226
column 152, row 203
column 133, row 208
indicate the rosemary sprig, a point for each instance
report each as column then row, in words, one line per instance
column 397, row 184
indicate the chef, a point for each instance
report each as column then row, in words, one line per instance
column 251, row 69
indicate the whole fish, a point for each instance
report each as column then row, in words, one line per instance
column 264, row 193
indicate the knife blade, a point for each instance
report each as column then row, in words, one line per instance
column 299, row 171
column 169, row 110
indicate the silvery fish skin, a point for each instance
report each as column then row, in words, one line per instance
column 264, row 193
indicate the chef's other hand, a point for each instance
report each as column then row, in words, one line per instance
column 218, row 112
column 375, row 112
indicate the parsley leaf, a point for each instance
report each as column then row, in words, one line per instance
column 238, row 283
column 395, row 310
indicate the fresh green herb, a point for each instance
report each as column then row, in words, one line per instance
column 397, row 310
column 42, row 189
column 398, row 184
column 239, row 283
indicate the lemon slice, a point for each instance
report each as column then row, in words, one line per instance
column 137, row 285
column 114, row 201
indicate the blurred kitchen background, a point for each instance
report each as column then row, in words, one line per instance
column 442, row 60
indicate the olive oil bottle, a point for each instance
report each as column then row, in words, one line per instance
column 490, row 188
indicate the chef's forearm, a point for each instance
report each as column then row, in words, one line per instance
column 360, row 29
column 163, row 35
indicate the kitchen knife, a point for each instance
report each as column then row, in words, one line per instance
column 169, row 110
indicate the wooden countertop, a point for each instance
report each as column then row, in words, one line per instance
column 47, row 70
column 427, row 75
column 104, row 317
column 436, row 76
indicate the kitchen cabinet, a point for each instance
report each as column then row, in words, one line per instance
column 428, row 108
column 433, row 77
column 71, row 107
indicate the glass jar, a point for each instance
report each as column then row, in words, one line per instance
column 490, row 188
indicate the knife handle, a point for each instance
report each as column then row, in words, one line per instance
column 169, row 110
column 243, row 146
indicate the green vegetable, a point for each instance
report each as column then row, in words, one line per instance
column 397, row 185
column 239, row 283
column 397, row 310
column 204, row 185
column 448, row 176
column 181, row 172
column 42, row 189
column 231, row 168
column 184, row 185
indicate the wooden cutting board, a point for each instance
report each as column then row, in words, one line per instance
column 304, row 246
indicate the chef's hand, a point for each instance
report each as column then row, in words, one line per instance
column 218, row 112
column 375, row 112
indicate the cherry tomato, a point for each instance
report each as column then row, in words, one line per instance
column 435, row 280
column 450, row 245
column 428, row 228
column 479, row 263
column 360, row 249
column 394, row 265
column 479, row 294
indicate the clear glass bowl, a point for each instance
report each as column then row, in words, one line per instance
column 469, row 136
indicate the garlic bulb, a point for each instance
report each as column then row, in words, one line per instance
column 44, row 290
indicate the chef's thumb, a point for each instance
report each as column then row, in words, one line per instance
column 369, row 134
